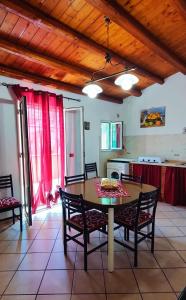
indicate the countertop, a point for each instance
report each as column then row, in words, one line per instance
column 177, row 164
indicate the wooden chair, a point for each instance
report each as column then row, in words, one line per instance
column 131, row 178
column 127, row 177
column 84, row 222
column 91, row 168
column 135, row 219
column 10, row 203
column 74, row 179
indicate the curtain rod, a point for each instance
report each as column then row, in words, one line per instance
column 68, row 98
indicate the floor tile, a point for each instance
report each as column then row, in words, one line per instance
column 5, row 278
column 18, row 297
column 20, row 246
column 179, row 222
column 94, row 260
column 10, row 262
column 183, row 255
column 34, row 261
column 42, row 246
column 161, row 243
column 3, row 246
column 120, row 281
column 88, row 282
column 58, row 246
column 25, row 282
column 124, row 297
column 169, row 259
column 59, row 260
column 56, row 282
column 47, row 234
column 53, row 297
column 121, row 260
column 152, row 280
column 177, row 278
column 163, row 222
column 145, row 259
column 89, row 297
column 172, row 215
column 179, row 243
column 182, row 229
column 171, row 231
column 159, row 296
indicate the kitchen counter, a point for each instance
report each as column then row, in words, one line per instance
column 177, row 164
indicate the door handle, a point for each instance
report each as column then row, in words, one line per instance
column 71, row 154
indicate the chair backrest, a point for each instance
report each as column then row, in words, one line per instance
column 6, row 183
column 90, row 168
column 69, row 201
column 147, row 202
column 132, row 178
column 74, row 179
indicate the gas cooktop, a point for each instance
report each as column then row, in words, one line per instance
column 151, row 159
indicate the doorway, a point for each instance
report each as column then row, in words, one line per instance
column 74, row 141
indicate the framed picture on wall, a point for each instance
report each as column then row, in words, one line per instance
column 152, row 117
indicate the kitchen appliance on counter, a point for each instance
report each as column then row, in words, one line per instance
column 151, row 159
column 116, row 166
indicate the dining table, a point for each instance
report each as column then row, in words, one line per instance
column 108, row 201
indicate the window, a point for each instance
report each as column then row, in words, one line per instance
column 111, row 135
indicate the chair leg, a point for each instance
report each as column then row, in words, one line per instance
column 126, row 234
column 65, row 239
column 85, row 236
column 13, row 216
column 68, row 213
column 152, row 238
column 135, row 249
column 21, row 219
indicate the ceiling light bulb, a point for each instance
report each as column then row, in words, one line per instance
column 92, row 90
column 126, row 81
column 126, row 85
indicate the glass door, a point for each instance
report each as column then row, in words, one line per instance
column 24, row 160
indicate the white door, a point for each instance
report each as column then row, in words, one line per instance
column 74, row 141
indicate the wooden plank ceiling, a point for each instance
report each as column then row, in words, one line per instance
column 60, row 43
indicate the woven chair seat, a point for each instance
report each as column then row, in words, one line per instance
column 127, row 217
column 9, row 202
column 94, row 220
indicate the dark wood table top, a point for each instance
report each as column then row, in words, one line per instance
column 88, row 190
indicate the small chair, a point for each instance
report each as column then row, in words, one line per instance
column 90, row 168
column 84, row 222
column 133, row 178
column 74, row 179
column 10, row 203
column 138, row 218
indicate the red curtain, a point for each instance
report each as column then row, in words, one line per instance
column 175, row 186
column 46, row 142
column 151, row 174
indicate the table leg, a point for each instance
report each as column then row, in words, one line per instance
column 111, row 239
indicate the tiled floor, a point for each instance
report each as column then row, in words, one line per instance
column 33, row 265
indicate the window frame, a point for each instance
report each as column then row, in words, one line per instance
column 110, row 148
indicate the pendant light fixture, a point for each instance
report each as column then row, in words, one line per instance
column 125, row 79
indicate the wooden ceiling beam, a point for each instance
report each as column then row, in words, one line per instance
column 33, row 56
column 50, row 24
column 121, row 17
column 181, row 7
column 22, row 75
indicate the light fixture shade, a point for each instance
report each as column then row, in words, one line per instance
column 126, row 81
column 92, row 90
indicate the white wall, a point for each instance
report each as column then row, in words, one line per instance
column 171, row 94
column 95, row 111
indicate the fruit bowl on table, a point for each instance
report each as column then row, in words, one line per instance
column 109, row 184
